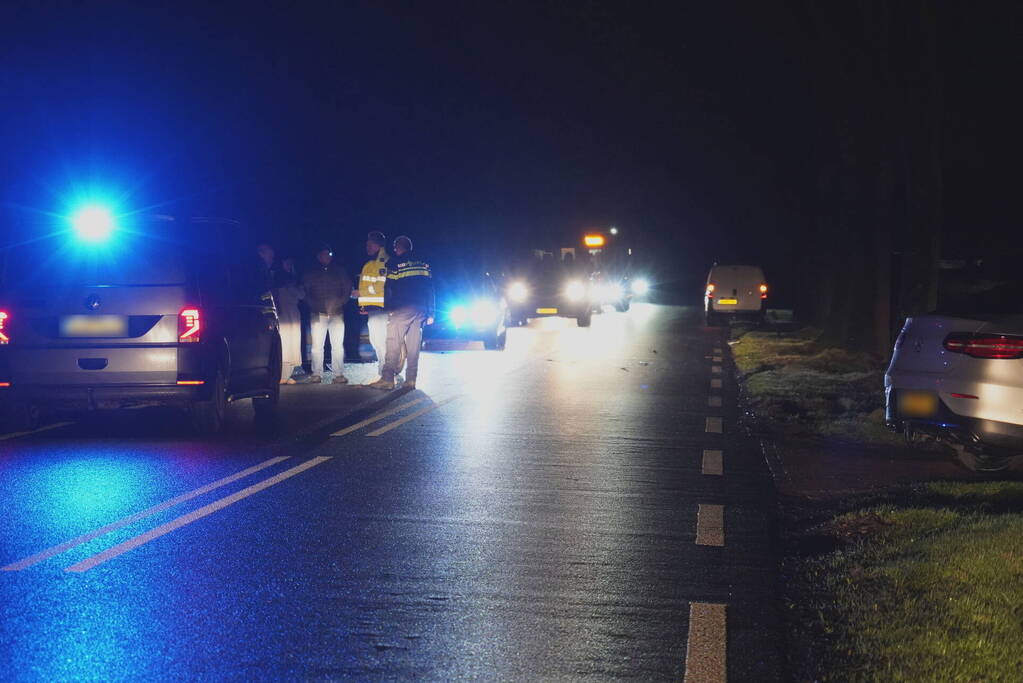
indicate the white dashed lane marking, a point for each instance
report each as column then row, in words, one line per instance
column 410, row 417
column 715, row 425
column 131, row 519
column 15, row 435
column 710, row 525
column 193, row 516
column 387, row 413
column 715, row 369
column 713, row 462
column 715, row 384
column 714, row 401
column 716, row 359
column 706, row 646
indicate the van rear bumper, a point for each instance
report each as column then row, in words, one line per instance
column 108, row 396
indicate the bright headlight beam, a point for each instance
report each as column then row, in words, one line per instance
column 575, row 290
column 93, row 223
column 518, row 291
column 483, row 313
column 640, row 286
column 459, row 314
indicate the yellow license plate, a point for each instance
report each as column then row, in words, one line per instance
column 547, row 311
column 918, row 404
column 93, row 326
column 728, row 302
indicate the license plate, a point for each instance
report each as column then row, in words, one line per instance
column 918, row 403
column 93, row 326
column 547, row 311
column 728, row 302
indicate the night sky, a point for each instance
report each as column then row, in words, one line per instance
column 688, row 125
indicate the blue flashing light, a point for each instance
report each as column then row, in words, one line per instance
column 459, row 314
column 93, row 223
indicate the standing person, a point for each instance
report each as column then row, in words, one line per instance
column 410, row 305
column 371, row 296
column 327, row 289
column 287, row 294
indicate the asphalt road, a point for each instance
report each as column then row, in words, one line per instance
column 551, row 511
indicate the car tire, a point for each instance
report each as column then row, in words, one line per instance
column 496, row 342
column 20, row 417
column 265, row 407
column 208, row 416
column 585, row 319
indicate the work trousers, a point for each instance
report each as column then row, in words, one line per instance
column 404, row 331
column 321, row 325
column 377, row 323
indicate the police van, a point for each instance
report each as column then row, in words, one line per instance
column 116, row 312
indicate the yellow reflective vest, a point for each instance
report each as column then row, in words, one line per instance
column 372, row 281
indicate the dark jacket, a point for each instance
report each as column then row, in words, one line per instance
column 409, row 284
column 327, row 288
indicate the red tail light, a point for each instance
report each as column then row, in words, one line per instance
column 4, row 320
column 710, row 291
column 763, row 291
column 985, row 345
column 189, row 325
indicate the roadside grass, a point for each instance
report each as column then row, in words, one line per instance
column 798, row 386
column 927, row 589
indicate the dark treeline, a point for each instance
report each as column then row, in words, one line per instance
column 874, row 255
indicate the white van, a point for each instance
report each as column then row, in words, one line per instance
column 735, row 291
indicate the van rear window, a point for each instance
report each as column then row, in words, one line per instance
column 59, row 262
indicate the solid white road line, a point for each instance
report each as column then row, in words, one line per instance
column 378, row 417
column 707, row 644
column 131, row 519
column 710, row 525
column 714, row 401
column 15, row 435
column 715, row 425
column 409, row 418
column 193, row 516
column 715, row 384
column 715, row 369
column 713, row 462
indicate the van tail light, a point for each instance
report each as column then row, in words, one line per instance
column 189, row 325
column 710, row 291
column 985, row 345
column 5, row 319
column 763, row 291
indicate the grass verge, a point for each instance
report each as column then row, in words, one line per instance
column 927, row 586
column 798, row 386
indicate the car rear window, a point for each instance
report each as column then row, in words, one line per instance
column 129, row 260
column 983, row 299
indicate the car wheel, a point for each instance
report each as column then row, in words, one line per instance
column 208, row 415
column 496, row 342
column 623, row 306
column 20, row 417
column 266, row 407
column 585, row 319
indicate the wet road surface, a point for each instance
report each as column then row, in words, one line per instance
column 579, row 505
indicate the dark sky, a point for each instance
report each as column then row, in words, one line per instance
column 688, row 125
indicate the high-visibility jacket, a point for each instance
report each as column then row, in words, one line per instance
column 372, row 281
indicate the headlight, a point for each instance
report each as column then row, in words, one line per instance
column 575, row 290
column 518, row 291
column 640, row 287
column 483, row 313
column 459, row 314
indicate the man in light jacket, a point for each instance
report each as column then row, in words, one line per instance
column 327, row 289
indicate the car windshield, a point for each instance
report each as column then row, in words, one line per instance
column 130, row 260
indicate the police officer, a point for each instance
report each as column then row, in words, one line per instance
column 410, row 305
column 370, row 294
